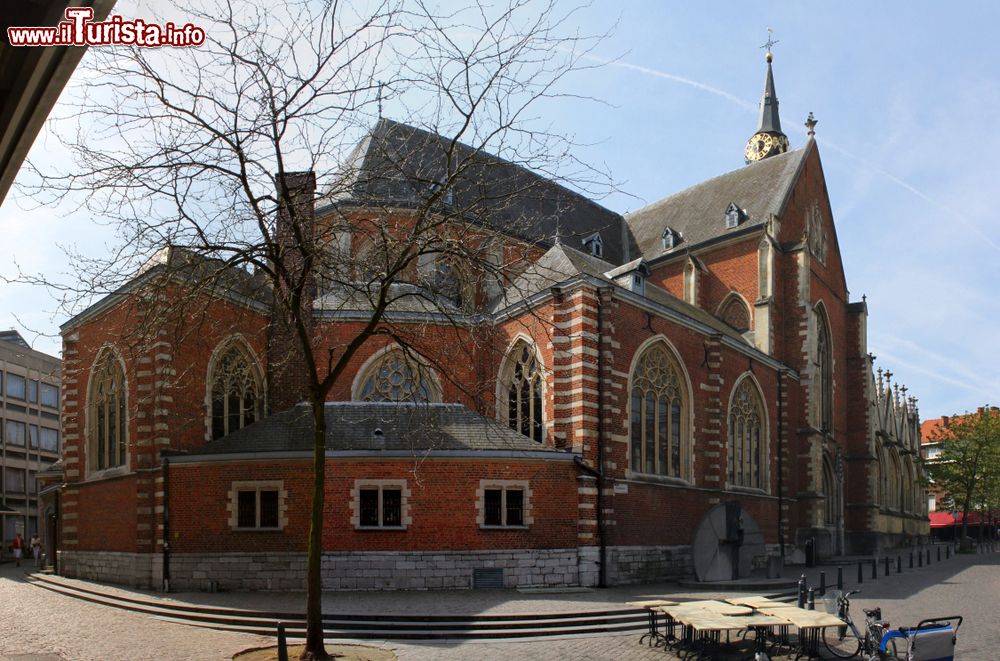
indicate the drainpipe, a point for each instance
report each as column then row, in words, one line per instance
column 166, row 522
column 781, row 479
column 601, row 528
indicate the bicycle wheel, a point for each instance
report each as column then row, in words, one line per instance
column 841, row 647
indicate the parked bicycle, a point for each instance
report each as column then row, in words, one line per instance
column 933, row 638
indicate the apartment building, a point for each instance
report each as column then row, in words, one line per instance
column 29, row 433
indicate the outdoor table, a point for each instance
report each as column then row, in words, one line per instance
column 809, row 624
column 759, row 602
column 653, row 634
column 708, row 626
column 686, row 610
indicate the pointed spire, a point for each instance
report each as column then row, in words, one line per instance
column 767, row 140
column 768, row 120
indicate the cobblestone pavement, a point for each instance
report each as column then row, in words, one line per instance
column 38, row 625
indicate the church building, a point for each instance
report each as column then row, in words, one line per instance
column 681, row 390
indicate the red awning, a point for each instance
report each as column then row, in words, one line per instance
column 946, row 520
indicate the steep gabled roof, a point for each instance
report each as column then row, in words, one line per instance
column 698, row 213
column 351, row 426
column 397, row 165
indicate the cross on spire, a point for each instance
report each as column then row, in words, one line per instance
column 771, row 41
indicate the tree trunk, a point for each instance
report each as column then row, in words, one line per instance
column 315, row 650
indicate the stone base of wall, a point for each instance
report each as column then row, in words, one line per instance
column 138, row 570
column 203, row 572
column 648, row 564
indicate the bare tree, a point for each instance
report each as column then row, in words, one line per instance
column 213, row 150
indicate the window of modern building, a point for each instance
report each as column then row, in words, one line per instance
column 33, row 436
column 747, row 437
column 380, row 504
column 504, row 504
column 50, row 439
column 16, row 386
column 107, row 413
column 32, row 391
column 657, row 428
column 50, row 395
column 522, row 382
column 13, row 480
column 397, row 378
column 15, row 433
column 257, row 505
column 236, row 390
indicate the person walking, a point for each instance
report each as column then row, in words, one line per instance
column 17, row 546
column 36, row 550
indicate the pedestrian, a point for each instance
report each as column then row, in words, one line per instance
column 36, row 550
column 17, row 546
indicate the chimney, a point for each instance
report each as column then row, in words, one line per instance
column 294, row 247
column 945, row 420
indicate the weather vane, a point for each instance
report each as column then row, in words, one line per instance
column 771, row 41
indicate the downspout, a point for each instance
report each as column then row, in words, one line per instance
column 166, row 522
column 601, row 528
column 781, row 465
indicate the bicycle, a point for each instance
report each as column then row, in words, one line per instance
column 847, row 641
column 937, row 640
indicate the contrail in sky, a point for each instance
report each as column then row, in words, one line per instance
column 742, row 103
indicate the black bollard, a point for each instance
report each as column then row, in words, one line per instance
column 947, row 552
column 802, row 590
column 822, row 583
column 874, row 569
column 928, row 556
column 939, row 553
column 911, row 558
column 282, row 643
column 899, row 564
column 886, row 565
column 812, row 599
column 861, row 578
column 920, row 557
column 840, row 578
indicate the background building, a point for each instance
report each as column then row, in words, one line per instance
column 30, row 432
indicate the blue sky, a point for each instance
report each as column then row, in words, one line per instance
column 907, row 96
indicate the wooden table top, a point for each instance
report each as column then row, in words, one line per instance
column 650, row 603
column 804, row 619
column 708, row 605
column 759, row 602
column 707, row 621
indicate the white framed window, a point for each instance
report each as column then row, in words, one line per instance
column 257, row 505
column 748, row 442
column 107, row 404
column 657, row 412
column 503, row 504
column 380, row 505
column 522, row 381
column 235, row 388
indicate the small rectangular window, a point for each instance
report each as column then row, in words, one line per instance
column 33, row 391
column 257, row 505
column 49, row 395
column 515, row 507
column 15, row 432
column 33, row 436
column 493, row 507
column 49, row 439
column 247, row 509
column 369, row 507
column 268, row 509
column 392, row 505
column 16, row 386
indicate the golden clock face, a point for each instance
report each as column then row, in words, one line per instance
column 758, row 146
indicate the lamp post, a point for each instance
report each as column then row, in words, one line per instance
column 955, row 515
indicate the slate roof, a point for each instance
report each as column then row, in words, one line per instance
column 398, row 165
column 405, row 427
column 404, row 297
column 698, row 212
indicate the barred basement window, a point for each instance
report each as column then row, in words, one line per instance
column 504, row 504
column 236, row 390
column 523, row 379
column 747, row 442
column 106, row 415
column 380, row 505
column 394, row 378
column 657, row 411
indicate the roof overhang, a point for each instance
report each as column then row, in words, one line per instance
column 31, row 78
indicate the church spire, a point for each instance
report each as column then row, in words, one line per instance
column 768, row 140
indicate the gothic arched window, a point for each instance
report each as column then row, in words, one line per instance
column 824, row 372
column 747, row 437
column 107, row 405
column 235, row 390
column 448, row 284
column 829, row 493
column 522, row 380
column 657, row 410
column 397, row 378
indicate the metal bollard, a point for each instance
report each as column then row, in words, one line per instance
column 928, row 556
column 861, row 577
column 939, row 553
column 840, row 578
column 802, row 591
column 282, row 643
column 822, row 583
column 911, row 558
column 920, row 558
column 874, row 569
column 899, row 564
column 886, row 565
column 947, row 552
column 812, row 599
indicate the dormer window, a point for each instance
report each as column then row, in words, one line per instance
column 734, row 216
column 638, row 283
column 447, row 197
column 594, row 245
column 670, row 239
